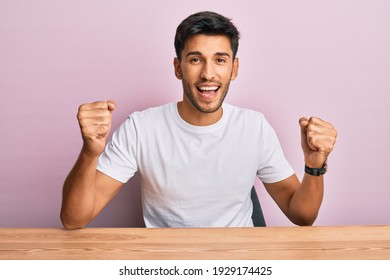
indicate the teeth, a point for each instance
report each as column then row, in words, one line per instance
column 208, row 88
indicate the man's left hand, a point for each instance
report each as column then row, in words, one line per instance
column 317, row 139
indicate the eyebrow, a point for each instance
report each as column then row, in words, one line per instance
column 217, row 53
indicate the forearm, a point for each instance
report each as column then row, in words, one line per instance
column 78, row 200
column 306, row 200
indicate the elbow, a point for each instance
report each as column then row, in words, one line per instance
column 303, row 219
column 70, row 225
column 302, row 215
column 304, row 223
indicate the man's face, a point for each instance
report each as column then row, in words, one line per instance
column 206, row 69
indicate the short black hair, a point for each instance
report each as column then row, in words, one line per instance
column 209, row 23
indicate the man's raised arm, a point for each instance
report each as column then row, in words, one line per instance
column 301, row 201
column 86, row 191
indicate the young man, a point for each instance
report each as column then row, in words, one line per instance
column 197, row 158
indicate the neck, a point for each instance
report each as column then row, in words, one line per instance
column 194, row 117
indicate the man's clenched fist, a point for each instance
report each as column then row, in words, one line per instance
column 95, row 124
column 317, row 139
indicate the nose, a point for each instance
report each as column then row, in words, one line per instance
column 208, row 72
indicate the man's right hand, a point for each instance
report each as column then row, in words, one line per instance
column 95, row 124
column 86, row 190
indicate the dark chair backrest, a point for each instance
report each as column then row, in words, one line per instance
column 257, row 215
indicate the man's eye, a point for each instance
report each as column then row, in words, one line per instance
column 221, row 60
column 195, row 60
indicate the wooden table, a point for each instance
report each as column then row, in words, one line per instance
column 304, row 243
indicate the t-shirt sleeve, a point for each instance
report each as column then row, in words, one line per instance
column 119, row 157
column 274, row 166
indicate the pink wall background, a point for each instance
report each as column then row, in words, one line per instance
column 325, row 58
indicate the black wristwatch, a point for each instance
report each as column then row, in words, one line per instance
column 316, row 171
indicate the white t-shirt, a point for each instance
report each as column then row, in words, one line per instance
column 195, row 176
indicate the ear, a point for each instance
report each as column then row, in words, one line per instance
column 176, row 65
column 235, row 69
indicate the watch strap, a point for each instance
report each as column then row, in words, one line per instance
column 316, row 171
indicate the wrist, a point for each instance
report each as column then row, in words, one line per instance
column 89, row 153
column 92, row 150
column 316, row 171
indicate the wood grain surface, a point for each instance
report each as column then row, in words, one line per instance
column 304, row 243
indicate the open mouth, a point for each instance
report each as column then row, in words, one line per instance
column 208, row 92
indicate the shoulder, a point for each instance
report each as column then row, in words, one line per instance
column 236, row 113
column 152, row 115
column 243, row 119
column 153, row 112
column 148, row 118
